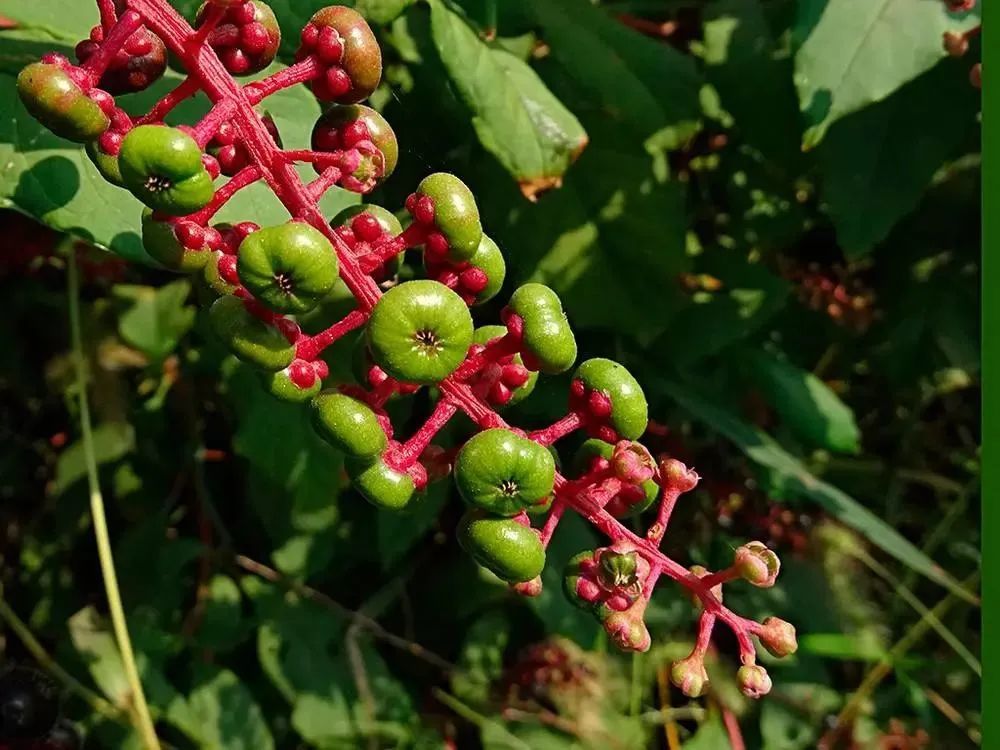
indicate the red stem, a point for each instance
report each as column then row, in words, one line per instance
column 209, row 125
column 403, row 457
column 311, row 347
column 245, row 177
column 127, row 25
column 498, row 348
column 732, row 725
column 301, row 72
column 327, row 179
column 412, row 236
column 558, row 430
column 187, row 87
column 723, row 576
column 555, row 515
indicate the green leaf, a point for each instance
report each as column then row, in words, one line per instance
column 793, row 718
column 398, row 532
column 221, row 624
column 762, row 449
column 157, row 318
column 711, row 735
column 805, row 403
column 877, row 163
column 640, row 86
column 516, row 117
column 69, row 22
column 481, row 657
column 755, row 84
column 112, row 441
column 293, row 482
column 616, row 251
column 229, row 717
column 857, row 52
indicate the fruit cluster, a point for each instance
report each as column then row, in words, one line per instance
column 267, row 280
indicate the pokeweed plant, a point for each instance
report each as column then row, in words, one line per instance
column 417, row 334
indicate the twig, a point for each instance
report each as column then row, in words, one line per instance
column 46, row 662
column 732, row 725
column 144, row 722
column 364, row 621
column 670, row 732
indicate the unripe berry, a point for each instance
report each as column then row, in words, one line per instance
column 139, row 64
column 247, row 37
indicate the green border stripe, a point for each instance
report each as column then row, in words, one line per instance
column 991, row 381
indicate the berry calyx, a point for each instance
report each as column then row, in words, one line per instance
column 340, row 38
column 135, row 67
column 756, row 564
column 230, row 152
column 504, row 381
column 247, row 37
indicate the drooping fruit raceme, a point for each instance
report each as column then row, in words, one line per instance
column 281, row 294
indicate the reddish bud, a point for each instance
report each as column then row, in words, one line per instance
column 632, row 463
column 689, row 676
column 778, row 637
column 757, row 564
column 676, row 475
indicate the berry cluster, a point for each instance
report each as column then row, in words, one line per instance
column 416, row 334
column 833, row 290
column 29, row 713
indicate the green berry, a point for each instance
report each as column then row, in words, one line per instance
column 107, row 165
column 381, row 485
column 513, row 552
column 280, row 385
column 549, row 343
column 387, row 221
column 56, row 101
column 489, row 260
column 629, row 412
column 348, row 425
column 210, row 275
column 455, row 213
column 248, row 337
column 328, row 134
column 419, row 332
column 486, row 334
column 161, row 243
column 504, row 473
column 162, row 167
column 289, row 268
column 571, row 577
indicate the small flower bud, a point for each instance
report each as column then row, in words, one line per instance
column 778, row 637
column 675, row 474
column 689, row 676
column 753, row 680
column 632, row 463
column 757, row 564
column 627, row 630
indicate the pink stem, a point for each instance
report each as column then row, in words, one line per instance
column 311, row 347
column 108, row 14
column 558, row 430
column 209, row 125
column 412, row 236
column 468, row 402
column 555, row 515
column 327, row 179
column 706, row 623
column 496, row 349
column 245, row 177
column 211, row 19
column 404, row 456
column 723, row 576
column 127, row 25
column 668, row 499
column 187, row 87
column 732, row 725
column 301, row 72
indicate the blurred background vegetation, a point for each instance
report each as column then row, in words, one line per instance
column 767, row 209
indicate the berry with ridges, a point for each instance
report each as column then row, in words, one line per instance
column 247, row 37
column 348, row 425
column 504, row 473
column 510, row 550
column 380, row 484
column 340, row 37
column 549, row 343
column 160, row 239
column 53, row 98
column 347, row 127
column 419, row 332
column 137, row 65
column 248, row 337
column 445, row 202
column 289, row 268
column 628, row 415
column 162, row 167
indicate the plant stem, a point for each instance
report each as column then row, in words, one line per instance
column 21, row 630
column 143, row 719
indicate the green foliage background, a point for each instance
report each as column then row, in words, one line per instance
column 680, row 192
